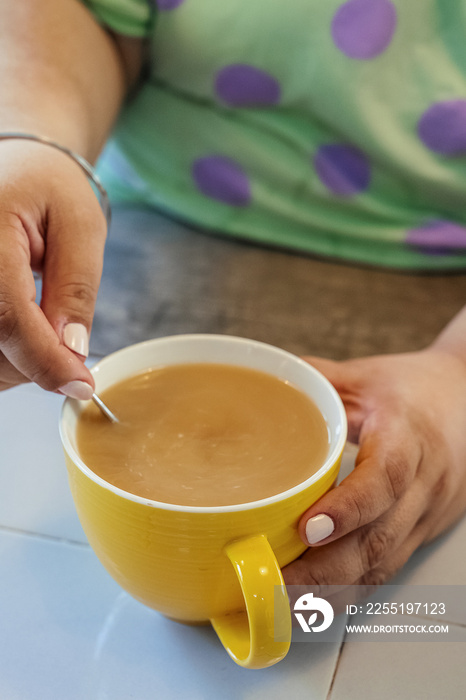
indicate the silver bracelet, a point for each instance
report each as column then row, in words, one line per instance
column 102, row 195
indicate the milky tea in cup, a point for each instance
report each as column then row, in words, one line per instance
column 204, row 434
column 192, row 501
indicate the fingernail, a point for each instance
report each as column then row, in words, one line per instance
column 318, row 528
column 76, row 338
column 77, row 390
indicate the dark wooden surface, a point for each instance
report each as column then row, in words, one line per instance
column 162, row 278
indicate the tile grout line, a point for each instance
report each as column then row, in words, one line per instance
column 337, row 663
column 43, row 536
column 340, row 651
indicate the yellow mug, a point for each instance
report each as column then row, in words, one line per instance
column 200, row 564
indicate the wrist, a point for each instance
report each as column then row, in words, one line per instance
column 452, row 340
column 447, row 352
column 83, row 164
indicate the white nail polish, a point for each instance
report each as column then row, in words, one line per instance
column 77, row 390
column 76, row 338
column 318, row 528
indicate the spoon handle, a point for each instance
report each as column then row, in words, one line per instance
column 105, row 410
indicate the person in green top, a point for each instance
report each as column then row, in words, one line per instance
column 334, row 128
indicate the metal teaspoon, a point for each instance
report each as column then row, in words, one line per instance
column 105, row 409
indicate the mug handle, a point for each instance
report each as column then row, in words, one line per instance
column 259, row 636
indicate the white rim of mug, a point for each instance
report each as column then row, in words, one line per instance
column 251, row 505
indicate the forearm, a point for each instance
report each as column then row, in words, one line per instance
column 62, row 75
column 453, row 338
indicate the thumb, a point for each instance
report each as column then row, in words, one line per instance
column 339, row 373
column 331, row 369
column 344, row 376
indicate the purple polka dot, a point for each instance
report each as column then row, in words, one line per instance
column 438, row 237
column 364, row 28
column 442, row 127
column 167, row 4
column 344, row 169
column 221, row 178
column 241, row 85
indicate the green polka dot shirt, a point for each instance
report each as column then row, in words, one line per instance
column 334, row 128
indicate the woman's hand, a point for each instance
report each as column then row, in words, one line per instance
column 50, row 221
column 408, row 414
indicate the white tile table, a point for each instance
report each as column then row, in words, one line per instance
column 68, row 632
